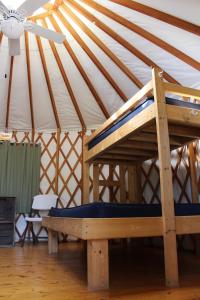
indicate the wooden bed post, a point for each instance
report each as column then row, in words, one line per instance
column 194, row 187
column 193, row 174
column 122, row 180
column 110, row 187
column 52, row 241
column 134, row 184
column 85, row 174
column 166, row 185
column 95, row 182
column 98, row 264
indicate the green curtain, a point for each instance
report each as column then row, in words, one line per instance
column 20, row 173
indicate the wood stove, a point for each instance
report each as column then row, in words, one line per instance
column 7, row 221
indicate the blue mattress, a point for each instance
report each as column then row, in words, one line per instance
column 136, row 111
column 116, row 210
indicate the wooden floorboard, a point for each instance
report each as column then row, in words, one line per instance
column 135, row 273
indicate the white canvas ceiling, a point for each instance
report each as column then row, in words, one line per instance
column 18, row 112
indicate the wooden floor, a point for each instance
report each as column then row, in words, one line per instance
column 135, row 273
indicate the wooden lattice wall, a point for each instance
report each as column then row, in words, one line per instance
column 61, row 173
column 61, row 170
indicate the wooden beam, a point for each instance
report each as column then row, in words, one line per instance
column 85, row 175
column 179, row 131
column 1, row 36
column 166, row 186
column 110, row 228
column 57, row 161
column 95, row 182
column 97, row 265
column 109, row 182
column 128, row 151
column 110, row 179
column 65, row 79
column 102, row 45
column 116, row 36
column 149, row 36
column 131, row 184
column 181, row 90
column 49, row 7
column 91, row 55
column 159, row 15
column 52, row 241
column 9, row 91
column 183, row 116
column 81, row 70
column 122, row 181
column 193, row 173
column 149, row 137
column 57, row 3
column 29, row 79
column 44, row 65
column 122, row 157
column 109, row 161
column 134, row 144
column 134, row 184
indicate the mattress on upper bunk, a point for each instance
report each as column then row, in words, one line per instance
column 136, row 111
column 116, row 210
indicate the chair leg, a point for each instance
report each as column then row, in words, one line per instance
column 34, row 237
column 23, row 237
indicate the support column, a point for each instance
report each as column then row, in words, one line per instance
column 193, row 174
column 96, row 182
column 52, row 241
column 57, row 161
column 85, row 175
column 134, row 184
column 98, row 264
column 166, row 185
column 111, row 173
column 194, row 187
column 122, row 180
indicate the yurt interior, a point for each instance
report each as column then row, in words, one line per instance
column 99, row 149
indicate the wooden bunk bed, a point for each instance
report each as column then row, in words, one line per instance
column 170, row 127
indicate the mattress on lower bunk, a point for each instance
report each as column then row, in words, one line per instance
column 136, row 111
column 116, row 210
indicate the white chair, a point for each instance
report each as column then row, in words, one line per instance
column 41, row 203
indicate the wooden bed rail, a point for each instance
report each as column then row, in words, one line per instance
column 129, row 105
column 133, row 102
column 181, row 90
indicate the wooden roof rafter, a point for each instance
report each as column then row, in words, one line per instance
column 103, row 47
column 91, row 55
column 29, row 79
column 66, row 80
column 49, row 7
column 117, row 37
column 159, row 15
column 48, row 82
column 149, row 36
column 1, row 36
column 9, row 91
column 81, row 70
